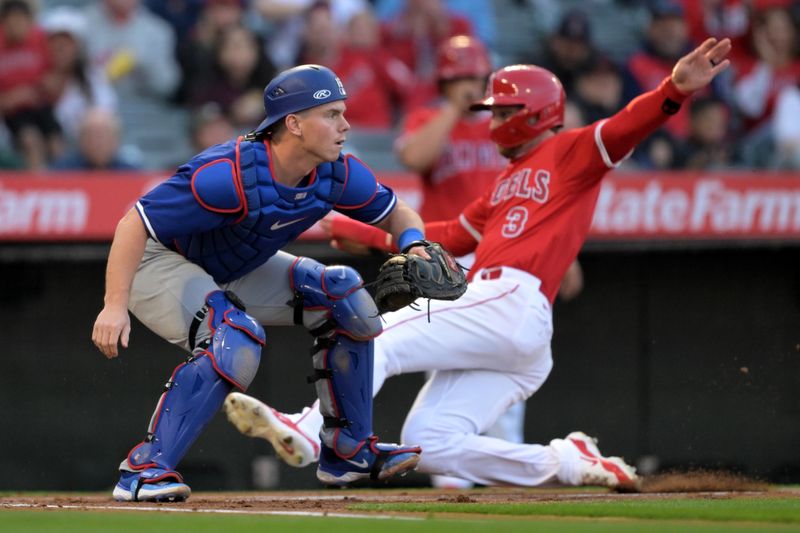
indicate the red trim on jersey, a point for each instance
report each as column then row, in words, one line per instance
column 200, row 200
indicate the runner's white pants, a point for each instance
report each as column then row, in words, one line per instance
column 487, row 350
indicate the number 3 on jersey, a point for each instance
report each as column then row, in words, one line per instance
column 516, row 218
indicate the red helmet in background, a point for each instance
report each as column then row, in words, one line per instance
column 462, row 56
column 538, row 93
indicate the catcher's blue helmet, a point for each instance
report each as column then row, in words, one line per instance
column 297, row 89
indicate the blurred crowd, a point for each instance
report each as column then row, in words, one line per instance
column 127, row 84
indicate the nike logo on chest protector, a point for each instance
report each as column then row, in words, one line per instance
column 278, row 224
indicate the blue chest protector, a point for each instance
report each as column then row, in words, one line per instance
column 269, row 214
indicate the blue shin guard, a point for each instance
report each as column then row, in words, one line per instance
column 343, row 359
column 193, row 395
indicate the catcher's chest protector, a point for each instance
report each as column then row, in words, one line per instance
column 271, row 217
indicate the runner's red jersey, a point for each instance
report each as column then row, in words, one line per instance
column 537, row 214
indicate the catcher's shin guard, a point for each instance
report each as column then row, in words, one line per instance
column 343, row 359
column 198, row 387
column 342, row 353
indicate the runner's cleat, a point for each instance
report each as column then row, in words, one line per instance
column 256, row 419
column 598, row 470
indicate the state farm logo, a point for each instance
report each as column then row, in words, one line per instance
column 703, row 207
column 43, row 211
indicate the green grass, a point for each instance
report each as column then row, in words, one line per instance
column 120, row 522
column 775, row 510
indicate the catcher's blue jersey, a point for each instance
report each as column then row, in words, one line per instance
column 223, row 211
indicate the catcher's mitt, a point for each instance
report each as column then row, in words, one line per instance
column 403, row 278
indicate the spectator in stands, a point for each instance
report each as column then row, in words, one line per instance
column 708, row 146
column 569, row 50
column 720, row 19
column 660, row 151
column 287, row 19
column 72, row 83
column 196, row 49
column 24, row 65
column 786, row 128
column 667, row 40
column 208, row 126
column 182, row 16
column 241, row 71
column 598, row 89
column 618, row 26
column 98, row 145
column 774, row 66
column 376, row 82
column 480, row 14
column 135, row 47
column 415, row 32
column 522, row 29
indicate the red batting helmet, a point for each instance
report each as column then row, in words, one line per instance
column 536, row 91
column 462, row 56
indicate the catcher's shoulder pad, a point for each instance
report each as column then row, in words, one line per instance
column 360, row 184
column 214, row 185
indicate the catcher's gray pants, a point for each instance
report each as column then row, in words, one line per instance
column 168, row 290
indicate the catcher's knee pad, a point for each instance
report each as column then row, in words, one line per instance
column 197, row 388
column 236, row 341
column 340, row 290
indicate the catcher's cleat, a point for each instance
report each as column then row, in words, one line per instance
column 594, row 469
column 256, row 419
column 151, row 485
column 374, row 460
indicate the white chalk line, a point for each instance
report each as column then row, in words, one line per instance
column 212, row 511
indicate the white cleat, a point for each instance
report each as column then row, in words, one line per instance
column 595, row 469
column 256, row 419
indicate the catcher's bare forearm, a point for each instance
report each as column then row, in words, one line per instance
column 400, row 219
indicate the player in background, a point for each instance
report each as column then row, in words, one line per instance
column 198, row 262
column 525, row 231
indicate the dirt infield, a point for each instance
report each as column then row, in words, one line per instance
column 339, row 502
